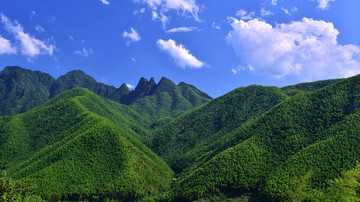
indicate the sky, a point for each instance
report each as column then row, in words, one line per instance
column 214, row 45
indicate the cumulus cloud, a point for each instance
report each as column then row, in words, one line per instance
column 105, row 2
column 307, row 49
column 132, row 36
column 323, row 4
column 182, row 29
column 6, row 47
column 30, row 46
column 84, row 52
column 181, row 55
column 161, row 7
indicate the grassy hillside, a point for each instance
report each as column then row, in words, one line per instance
column 78, row 146
column 308, row 139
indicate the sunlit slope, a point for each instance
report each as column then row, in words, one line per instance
column 79, row 145
column 312, row 136
column 199, row 134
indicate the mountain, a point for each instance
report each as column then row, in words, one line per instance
column 81, row 146
column 22, row 90
column 295, row 151
column 185, row 141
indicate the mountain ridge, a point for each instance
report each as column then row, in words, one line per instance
column 22, row 89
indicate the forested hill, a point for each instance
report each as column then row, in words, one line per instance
column 302, row 149
column 81, row 146
column 22, row 90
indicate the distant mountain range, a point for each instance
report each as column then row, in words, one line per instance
column 22, row 90
column 167, row 142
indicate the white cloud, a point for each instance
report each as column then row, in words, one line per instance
column 307, row 49
column 30, row 46
column 32, row 14
column 132, row 36
column 181, row 56
column 323, row 4
column 265, row 13
column 289, row 12
column 241, row 68
column 162, row 18
column 244, row 15
column 38, row 28
column 130, row 86
column 183, row 7
column 182, row 29
column 84, row 52
column 105, row 2
column 286, row 11
column 6, row 47
column 273, row 2
column 140, row 11
column 215, row 26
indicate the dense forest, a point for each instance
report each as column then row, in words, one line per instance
column 168, row 142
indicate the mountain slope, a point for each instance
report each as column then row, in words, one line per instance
column 312, row 136
column 78, row 146
column 22, row 90
column 189, row 140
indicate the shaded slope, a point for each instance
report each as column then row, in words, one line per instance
column 311, row 132
column 22, row 90
column 184, row 142
column 79, row 145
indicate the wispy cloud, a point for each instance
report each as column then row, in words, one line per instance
column 265, row 13
column 244, row 15
column 182, row 29
column 29, row 45
column 140, row 11
column 307, row 49
column 132, row 36
column 161, row 7
column 105, row 2
column 38, row 28
column 130, row 86
column 84, row 52
column 323, row 4
column 6, row 47
column 181, row 55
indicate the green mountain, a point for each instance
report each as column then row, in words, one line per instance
column 79, row 145
column 194, row 137
column 22, row 90
column 296, row 151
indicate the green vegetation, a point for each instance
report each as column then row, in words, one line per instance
column 16, row 190
column 80, row 146
column 296, row 143
column 314, row 133
column 22, row 90
column 194, row 137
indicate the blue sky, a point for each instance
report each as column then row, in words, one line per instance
column 215, row 45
